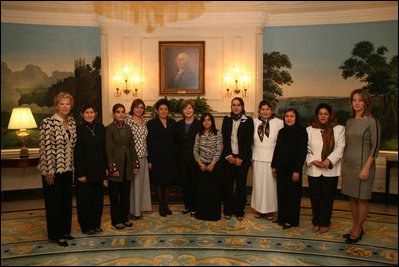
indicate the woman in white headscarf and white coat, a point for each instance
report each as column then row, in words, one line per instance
column 264, row 189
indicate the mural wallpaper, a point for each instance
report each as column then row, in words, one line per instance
column 39, row 61
column 304, row 65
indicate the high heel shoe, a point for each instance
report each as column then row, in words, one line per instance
column 348, row 235
column 350, row 240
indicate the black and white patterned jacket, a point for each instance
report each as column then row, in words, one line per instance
column 56, row 146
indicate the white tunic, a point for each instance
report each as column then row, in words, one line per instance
column 315, row 147
column 264, row 189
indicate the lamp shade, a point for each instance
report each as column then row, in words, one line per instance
column 22, row 118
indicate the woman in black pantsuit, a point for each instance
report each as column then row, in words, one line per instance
column 237, row 131
column 287, row 164
column 161, row 147
column 186, row 130
column 90, row 170
column 57, row 139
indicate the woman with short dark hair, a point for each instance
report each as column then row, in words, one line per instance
column 140, row 191
column 123, row 164
column 264, row 189
column 162, row 153
column 90, row 170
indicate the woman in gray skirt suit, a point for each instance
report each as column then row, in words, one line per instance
column 362, row 135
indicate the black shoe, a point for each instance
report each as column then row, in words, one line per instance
column 62, row 243
column 98, row 230
column 91, row 232
column 286, row 226
column 69, row 237
column 168, row 211
column 162, row 212
column 348, row 235
column 185, row 211
column 352, row 241
column 192, row 214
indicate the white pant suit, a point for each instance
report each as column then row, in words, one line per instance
column 264, row 189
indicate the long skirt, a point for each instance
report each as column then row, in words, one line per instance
column 140, row 191
column 209, row 186
column 264, row 189
column 289, row 198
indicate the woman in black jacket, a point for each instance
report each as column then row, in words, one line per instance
column 90, row 170
column 287, row 164
column 161, row 153
column 186, row 130
column 237, row 131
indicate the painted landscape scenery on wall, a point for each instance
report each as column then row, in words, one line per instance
column 307, row 65
column 38, row 62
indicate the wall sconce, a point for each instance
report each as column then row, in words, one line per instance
column 125, row 84
column 237, row 84
column 22, row 119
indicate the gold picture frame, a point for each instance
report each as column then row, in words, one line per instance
column 181, row 67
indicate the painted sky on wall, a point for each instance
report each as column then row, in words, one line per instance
column 49, row 47
column 317, row 51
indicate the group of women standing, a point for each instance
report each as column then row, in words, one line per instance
column 211, row 165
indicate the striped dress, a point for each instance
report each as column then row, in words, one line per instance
column 363, row 137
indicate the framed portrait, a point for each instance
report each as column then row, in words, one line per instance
column 181, row 68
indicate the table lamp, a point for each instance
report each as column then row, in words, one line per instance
column 22, row 119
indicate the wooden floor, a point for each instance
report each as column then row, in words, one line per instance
column 305, row 203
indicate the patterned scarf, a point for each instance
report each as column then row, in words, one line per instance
column 264, row 127
column 327, row 133
column 238, row 116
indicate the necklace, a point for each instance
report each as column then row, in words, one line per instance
column 91, row 130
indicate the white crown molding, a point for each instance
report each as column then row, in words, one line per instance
column 334, row 17
column 47, row 18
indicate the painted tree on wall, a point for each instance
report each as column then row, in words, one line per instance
column 273, row 76
column 380, row 76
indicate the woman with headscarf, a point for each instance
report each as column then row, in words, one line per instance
column 237, row 131
column 323, row 164
column 287, row 164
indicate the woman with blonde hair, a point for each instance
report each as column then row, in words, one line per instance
column 57, row 139
column 363, row 137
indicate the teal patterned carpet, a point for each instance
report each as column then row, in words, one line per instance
column 182, row 240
